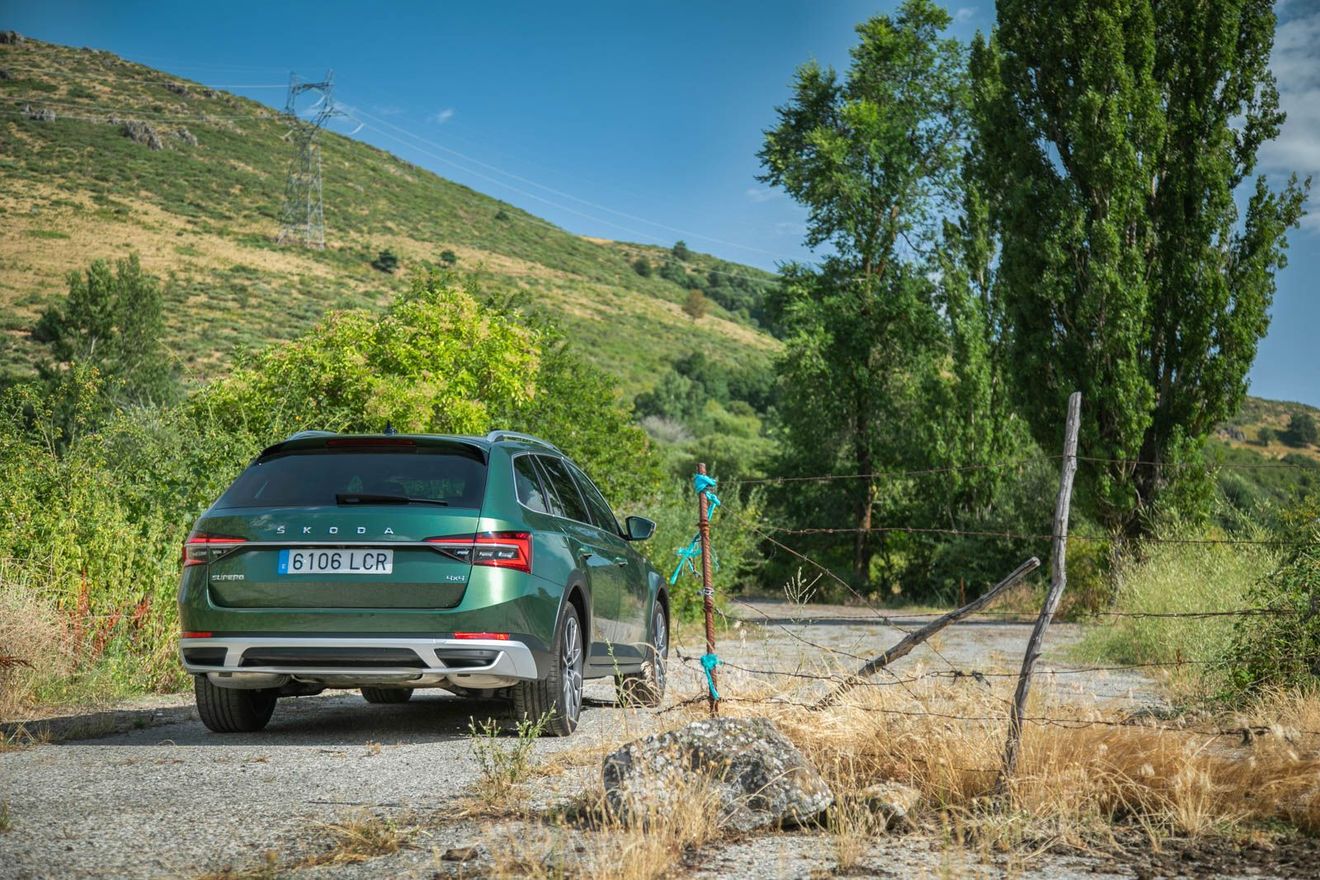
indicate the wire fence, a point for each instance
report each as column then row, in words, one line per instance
column 814, row 689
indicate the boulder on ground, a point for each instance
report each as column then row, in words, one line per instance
column 760, row 778
column 893, row 802
column 10, row 38
column 39, row 114
column 187, row 137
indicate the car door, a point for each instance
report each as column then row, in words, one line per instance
column 632, row 613
column 602, row 556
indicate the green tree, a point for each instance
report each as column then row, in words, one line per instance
column 696, row 305
column 110, row 330
column 680, row 250
column 642, row 266
column 1302, row 430
column 1111, row 138
column 874, row 156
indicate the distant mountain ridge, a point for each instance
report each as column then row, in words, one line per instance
column 101, row 157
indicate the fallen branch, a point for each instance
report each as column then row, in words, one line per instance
column 916, row 637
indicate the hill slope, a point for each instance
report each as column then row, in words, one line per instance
column 203, row 210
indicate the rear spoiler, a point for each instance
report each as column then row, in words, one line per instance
column 306, row 441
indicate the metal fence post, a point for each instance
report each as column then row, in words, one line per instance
column 707, row 591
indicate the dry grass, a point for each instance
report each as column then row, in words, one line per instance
column 357, row 838
column 644, row 849
column 35, row 643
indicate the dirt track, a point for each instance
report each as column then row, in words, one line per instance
column 176, row 801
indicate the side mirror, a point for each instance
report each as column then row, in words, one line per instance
column 639, row 528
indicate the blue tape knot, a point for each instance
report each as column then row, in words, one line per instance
column 708, row 664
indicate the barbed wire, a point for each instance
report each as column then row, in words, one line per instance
column 1025, row 536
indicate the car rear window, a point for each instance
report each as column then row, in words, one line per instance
column 312, row 478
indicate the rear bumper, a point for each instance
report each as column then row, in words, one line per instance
column 272, row 661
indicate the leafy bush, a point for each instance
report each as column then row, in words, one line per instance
column 448, row 257
column 385, row 261
column 1302, row 430
column 1282, row 648
column 696, row 305
column 680, row 250
column 642, row 266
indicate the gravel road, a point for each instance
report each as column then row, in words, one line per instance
column 173, row 800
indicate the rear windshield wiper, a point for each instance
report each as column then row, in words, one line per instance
column 365, row 498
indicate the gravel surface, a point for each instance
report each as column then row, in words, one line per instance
column 173, row 800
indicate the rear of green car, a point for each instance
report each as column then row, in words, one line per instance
column 484, row 566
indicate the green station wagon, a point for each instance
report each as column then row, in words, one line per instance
column 490, row 567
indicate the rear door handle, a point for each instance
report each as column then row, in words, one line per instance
column 621, row 560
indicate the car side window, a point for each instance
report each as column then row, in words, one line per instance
column 527, row 483
column 565, row 488
column 601, row 514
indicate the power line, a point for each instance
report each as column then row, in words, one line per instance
column 566, row 195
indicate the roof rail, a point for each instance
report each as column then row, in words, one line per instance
column 497, row 436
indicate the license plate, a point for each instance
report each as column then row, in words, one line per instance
column 336, row 561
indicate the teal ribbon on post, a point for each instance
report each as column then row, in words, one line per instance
column 708, row 664
column 687, row 556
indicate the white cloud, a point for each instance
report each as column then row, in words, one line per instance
column 964, row 13
column 1297, row 147
column 762, row 195
column 443, row 116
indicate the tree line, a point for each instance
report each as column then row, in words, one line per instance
column 1070, row 202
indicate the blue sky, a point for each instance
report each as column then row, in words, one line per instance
column 635, row 121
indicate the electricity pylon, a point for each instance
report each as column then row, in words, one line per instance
column 303, row 219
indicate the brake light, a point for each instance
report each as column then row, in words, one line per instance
column 200, row 548
column 352, row 442
column 494, row 549
column 195, row 635
column 499, row 637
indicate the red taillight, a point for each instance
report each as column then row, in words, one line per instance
column 495, row 549
column 200, row 548
column 195, row 635
column 499, row 637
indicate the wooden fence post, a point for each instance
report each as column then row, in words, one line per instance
column 1058, row 579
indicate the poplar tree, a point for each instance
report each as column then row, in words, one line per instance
column 1117, row 140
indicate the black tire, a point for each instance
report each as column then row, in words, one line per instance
column 229, row 710
column 387, row 695
column 557, row 698
column 647, row 687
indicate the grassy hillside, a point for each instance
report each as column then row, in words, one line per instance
column 203, row 212
column 1261, row 426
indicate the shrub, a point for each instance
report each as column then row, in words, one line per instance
column 448, row 257
column 1282, row 648
column 696, row 306
column 385, row 261
column 680, row 250
column 1302, row 430
column 642, row 266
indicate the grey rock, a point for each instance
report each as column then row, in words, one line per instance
column 187, row 137
column 10, row 38
column 177, row 88
column 40, row 114
column 143, row 133
column 760, row 778
column 893, row 802
column 464, row 853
